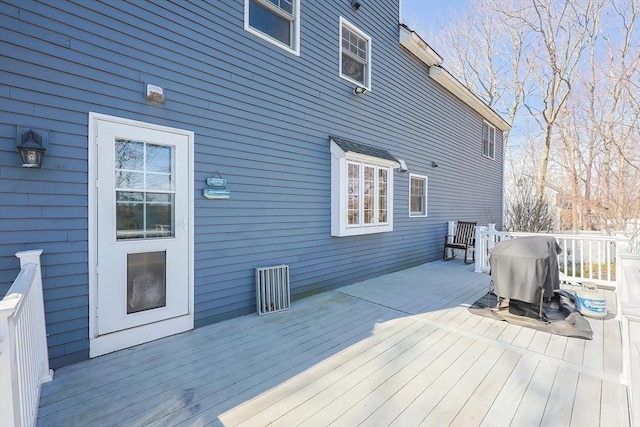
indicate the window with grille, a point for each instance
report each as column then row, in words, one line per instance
column 417, row 195
column 355, row 55
column 361, row 189
column 488, row 140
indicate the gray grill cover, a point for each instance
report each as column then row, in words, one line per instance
column 520, row 267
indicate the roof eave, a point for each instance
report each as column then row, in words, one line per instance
column 414, row 44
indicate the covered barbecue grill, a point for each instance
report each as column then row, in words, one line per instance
column 526, row 268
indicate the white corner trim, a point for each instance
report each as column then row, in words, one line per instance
column 414, row 44
column 450, row 83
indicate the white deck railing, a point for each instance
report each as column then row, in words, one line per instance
column 583, row 257
column 24, row 360
column 629, row 307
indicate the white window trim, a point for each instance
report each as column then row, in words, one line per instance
column 339, row 200
column 353, row 28
column 296, row 26
column 426, row 191
column 490, row 143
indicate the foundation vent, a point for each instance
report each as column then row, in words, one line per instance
column 272, row 289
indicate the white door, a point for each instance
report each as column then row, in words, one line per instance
column 143, row 232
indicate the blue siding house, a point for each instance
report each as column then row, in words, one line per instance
column 190, row 142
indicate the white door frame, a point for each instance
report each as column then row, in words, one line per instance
column 99, row 345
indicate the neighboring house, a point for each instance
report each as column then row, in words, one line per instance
column 339, row 186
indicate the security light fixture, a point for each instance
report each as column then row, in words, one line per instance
column 154, row 94
column 31, row 150
column 434, row 164
column 355, row 4
column 359, row 90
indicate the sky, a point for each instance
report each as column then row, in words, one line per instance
column 430, row 13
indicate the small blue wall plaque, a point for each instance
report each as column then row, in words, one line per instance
column 213, row 194
column 216, row 182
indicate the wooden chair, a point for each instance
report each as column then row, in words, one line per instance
column 464, row 238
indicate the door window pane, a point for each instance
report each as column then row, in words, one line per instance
column 133, row 180
column 146, row 281
column 146, row 210
column 158, row 158
column 129, row 154
column 158, row 182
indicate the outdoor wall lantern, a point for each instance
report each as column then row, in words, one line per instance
column 31, row 150
column 434, row 164
column 359, row 90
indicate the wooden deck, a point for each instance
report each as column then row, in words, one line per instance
column 400, row 350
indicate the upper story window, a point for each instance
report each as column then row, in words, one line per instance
column 276, row 21
column 361, row 189
column 417, row 195
column 355, row 55
column 488, row 140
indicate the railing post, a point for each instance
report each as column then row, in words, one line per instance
column 629, row 305
column 9, row 402
column 480, row 249
column 451, row 230
column 622, row 247
column 33, row 257
column 492, row 240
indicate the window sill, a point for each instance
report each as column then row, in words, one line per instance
column 358, row 231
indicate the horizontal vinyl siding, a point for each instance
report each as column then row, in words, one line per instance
column 261, row 118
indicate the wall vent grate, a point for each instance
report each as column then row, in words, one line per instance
column 273, row 292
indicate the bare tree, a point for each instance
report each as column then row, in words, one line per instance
column 485, row 51
column 566, row 75
column 562, row 28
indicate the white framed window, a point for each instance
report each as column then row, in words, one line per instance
column 367, row 194
column 417, row 195
column 355, row 55
column 361, row 193
column 276, row 21
column 488, row 140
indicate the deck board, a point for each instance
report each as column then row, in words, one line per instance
column 586, row 408
column 534, row 401
column 507, row 401
column 401, row 349
column 560, row 403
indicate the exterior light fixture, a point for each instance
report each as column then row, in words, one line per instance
column 355, row 4
column 359, row 90
column 434, row 164
column 154, row 94
column 31, row 150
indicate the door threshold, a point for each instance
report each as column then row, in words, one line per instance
column 120, row 340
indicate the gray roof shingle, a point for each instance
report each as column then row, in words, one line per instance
column 354, row 147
